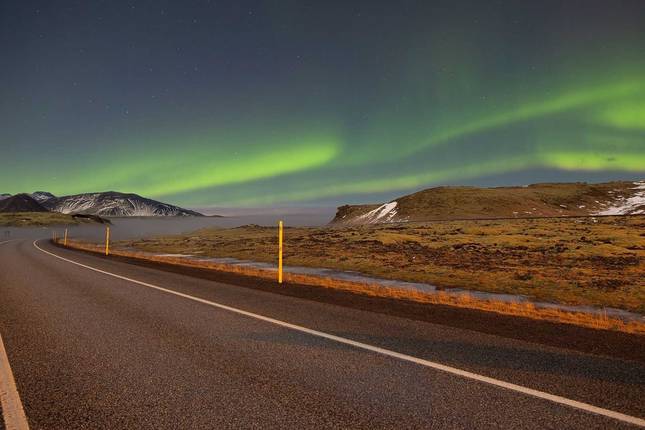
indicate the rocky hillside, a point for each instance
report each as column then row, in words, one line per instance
column 113, row 203
column 41, row 196
column 537, row 200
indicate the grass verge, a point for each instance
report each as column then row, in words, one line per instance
column 526, row 310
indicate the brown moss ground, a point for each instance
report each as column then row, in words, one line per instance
column 579, row 261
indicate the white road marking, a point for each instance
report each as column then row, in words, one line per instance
column 427, row 363
column 12, row 410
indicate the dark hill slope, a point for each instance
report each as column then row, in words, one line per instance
column 21, row 203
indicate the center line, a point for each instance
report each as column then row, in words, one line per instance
column 427, row 363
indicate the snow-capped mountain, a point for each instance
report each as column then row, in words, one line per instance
column 41, row 196
column 113, row 203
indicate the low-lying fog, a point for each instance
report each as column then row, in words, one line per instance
column 130, row 228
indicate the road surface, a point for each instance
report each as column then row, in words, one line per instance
column 102, row 344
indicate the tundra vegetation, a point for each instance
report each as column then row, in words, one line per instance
column 595, row 261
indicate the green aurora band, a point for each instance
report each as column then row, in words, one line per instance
column 318, row 103
column 604, row 130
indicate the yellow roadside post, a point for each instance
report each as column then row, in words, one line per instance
column 280, row 228
column 65, row 240
column 107, row 240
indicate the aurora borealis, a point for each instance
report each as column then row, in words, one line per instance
column 244, row 103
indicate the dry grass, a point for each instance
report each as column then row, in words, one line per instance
column 571, row 261
column 574, row 261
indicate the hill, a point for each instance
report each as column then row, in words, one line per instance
column 21, row 203
column 537, row 200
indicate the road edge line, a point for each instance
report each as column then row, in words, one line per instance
column 409, row 358
column 12, row 410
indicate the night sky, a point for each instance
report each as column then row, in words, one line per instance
column 243, row 103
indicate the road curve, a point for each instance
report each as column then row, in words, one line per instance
column 89, row 350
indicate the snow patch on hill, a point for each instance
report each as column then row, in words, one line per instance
column 383, row 213
column 634, row 205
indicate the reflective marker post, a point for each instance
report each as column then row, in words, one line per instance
column 107, row 240
column 280, row 229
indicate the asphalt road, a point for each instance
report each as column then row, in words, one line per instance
column 90, row 350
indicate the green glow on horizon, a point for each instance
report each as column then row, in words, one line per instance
column 188, row 163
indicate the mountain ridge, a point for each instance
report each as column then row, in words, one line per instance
column 114, row 203
column 101, row 204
